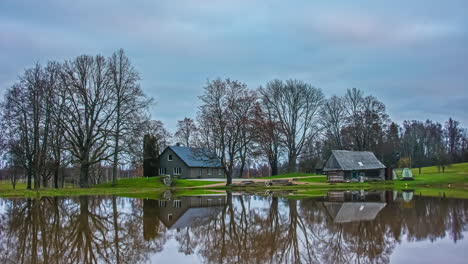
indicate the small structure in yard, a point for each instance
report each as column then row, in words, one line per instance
column 189, row 163
column 407, row 175
column 347, row 166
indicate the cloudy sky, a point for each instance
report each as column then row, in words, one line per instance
column 412, row 55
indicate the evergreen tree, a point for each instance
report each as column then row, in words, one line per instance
column 150, row 156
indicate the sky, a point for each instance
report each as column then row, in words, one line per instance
column 412, row 55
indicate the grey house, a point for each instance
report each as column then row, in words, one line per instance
column 344, row 165
column 189, row 163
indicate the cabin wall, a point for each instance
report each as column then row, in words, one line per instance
column 337, row 176
column 169, row 165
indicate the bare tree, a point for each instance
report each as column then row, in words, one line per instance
column 130, row 102
column 296, row 105
column 88, row 119
column 367, row 119
column 333, row 119
column 226, row 107
column 267, row 136
column 186, row 131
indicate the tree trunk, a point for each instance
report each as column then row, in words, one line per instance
column 29, row 180
column 292, row 162
column 116, row 150
column 84, row 175
column 63, row 177
column 56, row 174
column 229, row 178
column 274, row 166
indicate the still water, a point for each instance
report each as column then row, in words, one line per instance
column 342, row 227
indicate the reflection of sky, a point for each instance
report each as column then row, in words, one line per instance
column 440, row 251
column 171, row 254
column 413, row 55
column 425, row 251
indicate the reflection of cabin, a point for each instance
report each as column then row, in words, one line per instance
column 354, row 206
column 183, row 212
column 344, row 165
column 185, row 162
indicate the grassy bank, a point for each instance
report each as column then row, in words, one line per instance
column 125, row 187
column 452, row 183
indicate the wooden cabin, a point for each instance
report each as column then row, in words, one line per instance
column 348, row 166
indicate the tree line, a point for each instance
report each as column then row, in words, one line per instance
column 293, row 127
column 91, row 111
column 80, row 112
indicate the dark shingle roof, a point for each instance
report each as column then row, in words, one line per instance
column 353, row 160
column 353, row 212
column 197, row 157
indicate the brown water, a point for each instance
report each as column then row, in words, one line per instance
column 344, row 227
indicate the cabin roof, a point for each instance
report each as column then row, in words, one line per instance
column 352, row 160
column 352, row 212
column 196, row 157
column 196, row 216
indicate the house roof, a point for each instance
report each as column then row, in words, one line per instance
column 196, row 216
column 352, row 160
column 196, row 157
column 352, row 212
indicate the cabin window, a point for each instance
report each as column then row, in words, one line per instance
column 200, row 172
column 220, row 172
column 209, row 171
column 177, row 203
column 169, row 157
column 177, row 171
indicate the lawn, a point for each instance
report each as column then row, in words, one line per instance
column 130, row 187
column 453, row 183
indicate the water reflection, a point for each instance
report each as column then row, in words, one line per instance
column 343, row 227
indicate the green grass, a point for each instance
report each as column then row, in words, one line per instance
column 150, row 182
column 183, row 183
column 453, row 182
column 133, row 187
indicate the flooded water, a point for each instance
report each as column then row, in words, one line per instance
column 343, row 227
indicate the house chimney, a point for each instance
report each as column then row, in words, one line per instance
column 177, row 144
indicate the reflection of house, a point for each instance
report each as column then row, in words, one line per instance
column 344, row 165
column 186, row 162
column 183, row 212
column 344, row 207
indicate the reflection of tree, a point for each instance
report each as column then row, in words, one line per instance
column 88, row 238
column 245, row 230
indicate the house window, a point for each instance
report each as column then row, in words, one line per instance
column 162, row 171
column 169, row 217
column 177, row 203
column 177, row 171
column 169, row 157
column 162, row 204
